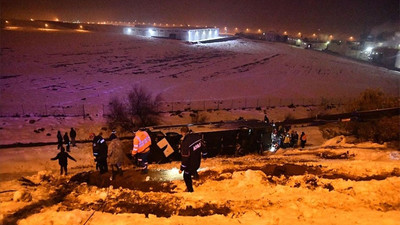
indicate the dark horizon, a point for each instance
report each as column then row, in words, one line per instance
column 337, row 17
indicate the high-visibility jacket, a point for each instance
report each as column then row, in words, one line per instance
column 141, row 142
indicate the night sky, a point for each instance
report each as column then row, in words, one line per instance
column 350, row 17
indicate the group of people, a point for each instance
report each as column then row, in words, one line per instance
column 105, row 155
column 63, row 155
column 192, row 149
column 287, row 139
column 65, row 139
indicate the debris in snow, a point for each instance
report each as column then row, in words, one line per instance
column 22, row 196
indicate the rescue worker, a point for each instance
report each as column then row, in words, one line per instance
column 115, row 154
column 141, row 148
column 62, row 157
column 100, row 151
column 191, row 148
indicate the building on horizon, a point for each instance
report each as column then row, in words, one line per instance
column 179, row 33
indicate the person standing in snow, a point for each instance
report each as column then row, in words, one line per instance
column 100, row 150
column 72, row 134
column 303, row 139
column 266, row 120
column 66, row 141
column 191, row 148
column 62, row 157
column 141, row 148
column 115, row 154
column 294, row 139
column 59, row 140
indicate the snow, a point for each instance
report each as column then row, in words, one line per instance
column 69, row 69
column 292, row 186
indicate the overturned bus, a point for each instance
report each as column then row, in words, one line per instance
column 234, row 138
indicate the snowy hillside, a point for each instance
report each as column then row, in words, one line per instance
column 60, row 67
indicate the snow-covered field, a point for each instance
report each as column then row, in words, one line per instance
column 322, row 184
column 66, row 68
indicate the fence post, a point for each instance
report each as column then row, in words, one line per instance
column 83, row 110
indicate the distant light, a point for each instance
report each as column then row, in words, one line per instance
column 285, row 33
column 46, row 25
column 128, row 31
column 351, row 38
column 259, row 30
column 299, row 33
column 32, row 19
column 314, row 35
column 80, row 26
column 236, row 28
column 57, row 19
column 151, row 32
column 368, row 49
column 247, row 29
column 331, row 36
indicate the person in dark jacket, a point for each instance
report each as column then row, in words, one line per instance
column 113, row 135
column 72, row 134
column 59, row 139
column 100, row 150
column 62, row 157
column 303, row 139
column 66, row 141
column 192, row 147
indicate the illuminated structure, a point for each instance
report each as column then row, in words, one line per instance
column 190, row 34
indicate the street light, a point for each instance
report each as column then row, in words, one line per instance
column 285, row 33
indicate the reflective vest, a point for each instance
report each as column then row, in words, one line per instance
column 141, row 142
